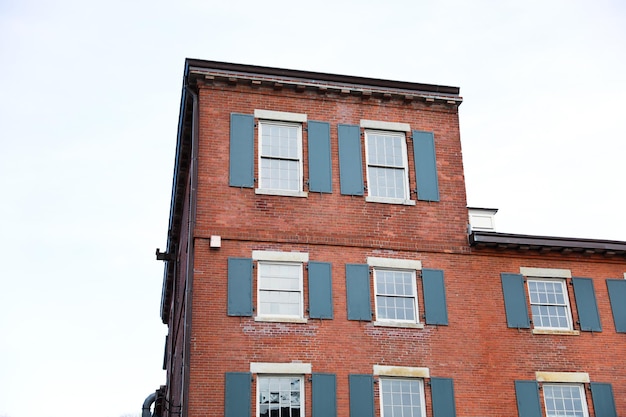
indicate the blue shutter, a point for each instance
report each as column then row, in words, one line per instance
column 586, row 304
column 320, row 290
column 241, row 150
column 323, row 393
column 320, row 171
column 237, row 394
column 527, row 393
column 434, row 296
column 239, row 287
column 425, row 166
column 358, row 292
column 350, row 160
column 603, row 400
column 617, row 295
column 442, row 390
column 515, row 301
column 361, row 395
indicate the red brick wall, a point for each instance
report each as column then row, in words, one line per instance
column 318, row 218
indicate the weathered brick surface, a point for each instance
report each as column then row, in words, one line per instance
column 476, row 349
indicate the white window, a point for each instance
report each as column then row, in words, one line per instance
column 549, row 304
column 402, row 397
column 280, row 156
column 280, row 396
column 280, row 289
column 396, row 295
column 565, row 400
column 387, row 166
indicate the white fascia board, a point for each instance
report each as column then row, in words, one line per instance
column 280, row 115
column 394, row 263
column 580, row 377
column 406, row 371
column 269, row 255
column 376, row 124
column 280, row 368
column 545, row 272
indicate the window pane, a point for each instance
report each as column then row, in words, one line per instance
column 386, row 182
column 549, row 304
column 564, row 400
column 280, row 174
column 401, row 397
column 395, row 295
column 280, row 289
column 279, row 396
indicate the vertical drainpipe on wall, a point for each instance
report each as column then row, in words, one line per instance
column 193, row 175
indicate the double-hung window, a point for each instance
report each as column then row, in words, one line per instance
column 565, row 400
column 280, row 156
column 280, row 152
column 387, row 165
column 280, row 289
column 549, row 303
column 280, row 396
column 396, row 295
column 402, row 397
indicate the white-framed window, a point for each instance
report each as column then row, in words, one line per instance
column 549, row 302
column 280, row 396
column 565, row 400
column 387, row 166
column 402, row 397
column 396, row 295
column 279, row 289
column 395, row 291
column 280, row 156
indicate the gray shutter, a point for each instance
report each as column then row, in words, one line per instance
column 320, row 171
column 239, row 287
column 586, row 305
column 241, row 150
column 527, row 393
column 323, row 393
column 515, row 301
column 361, row 395
column 442, row 390
column 434, row 296
column 617, row 295
column 320, row 290
column 350, row 160
column 237, row 394
column 358, row 292
column 603, row 400
column 425, row 166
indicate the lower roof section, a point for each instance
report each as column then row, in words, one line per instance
column 609, row 248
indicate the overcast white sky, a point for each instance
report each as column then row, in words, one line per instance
column 89, row 99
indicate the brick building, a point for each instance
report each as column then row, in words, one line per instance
column 320, row 263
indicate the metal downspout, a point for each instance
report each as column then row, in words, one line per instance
column 145, row 410
column 193, row 174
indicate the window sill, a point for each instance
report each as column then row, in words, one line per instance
column 285, row 193
column 402, row 324
column 281, row 319
column 387, row 200
column 557, row 331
